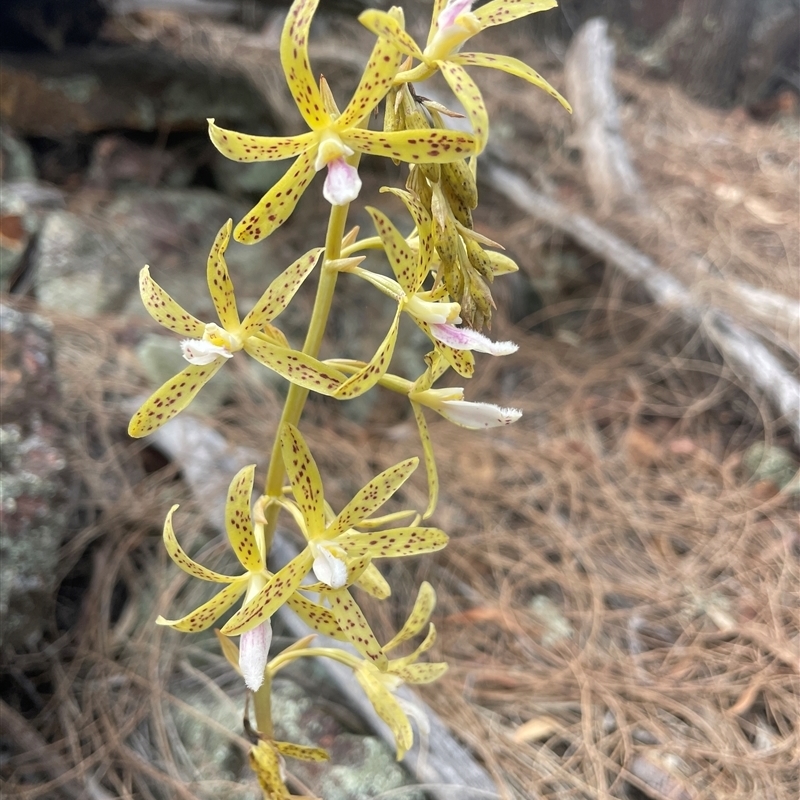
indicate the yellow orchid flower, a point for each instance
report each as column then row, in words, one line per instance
column 338, row 554
column 248, row 547
column 453, row 23
column 210, row 345
column 333, row 137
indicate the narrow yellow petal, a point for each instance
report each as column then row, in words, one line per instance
column 418, row 618
column 501, row 263
column 301, row 751
column 219, row 280
column 295, row 366
column 208, row 613
column 276, row 592
column 238, row 520
column 375, row 82
column 363, row 380
column 388, row 709
column 229, row 650
column 179, row 556
column 165, row 311
column 466, row 90
column 402, row 258
column 372, row 582
column 430, row 461
column 296, row 67
column 394, row 542
column 422, row 219
column 277, row 205
column 245, row 148
column 280, row 292
column 387, row 27
column 432, row 146
column 305, row 480
column 426, row 645
column 421, row 673
column 371, row 497
column 171, row 398
column 513, row 66
column 353, row 622
column 438, row 6
column 317, row 617
column 265, row 763
column 500, row 11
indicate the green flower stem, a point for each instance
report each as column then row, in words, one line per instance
column 296, row 397
column 284, row 659
column 262, row 702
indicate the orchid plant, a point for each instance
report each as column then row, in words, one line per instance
column 443, row 270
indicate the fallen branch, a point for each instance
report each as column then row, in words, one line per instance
column 588, row 72
column 742, row 351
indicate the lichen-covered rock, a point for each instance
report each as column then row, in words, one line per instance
column 361, row 767
column 33, row 519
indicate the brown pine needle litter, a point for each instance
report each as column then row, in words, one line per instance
column 618, row 604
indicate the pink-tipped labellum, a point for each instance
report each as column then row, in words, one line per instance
column 466, row 339
column 254, row 653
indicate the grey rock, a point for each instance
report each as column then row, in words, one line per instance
column 361, row 767
column 33, row 519
column 23, row 206
column 17, row 162
column 89, row 261
column 134, row 88
column 765, row 462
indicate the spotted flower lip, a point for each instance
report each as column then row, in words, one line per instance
column 331, row 138
column 210, row 345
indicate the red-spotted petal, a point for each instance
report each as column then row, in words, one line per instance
column 402, row 258
column 238, row 520
column 363, row 380
column 245, row 148
column 295, row 366
column 280, row 292
column 279, row 587
column 388, row 709
column 467, row 92
column 277, row 205
column 353, row 622
column 513, row 66
column 296, row 67
column 301, row 752
column 372, row 582
column 422, row 219
column 430, row 461
column 219, row 280
column 165, row 311
column 375, row 82
column 393, row 543
column 499, row 12
column 305, row 480
column 171, row 398
column 371, row 497
column 387, row 27
column 431, row 146
column 417, row 619
column 420, row 673
column 317, row 617
column 208, row 613
column 179, row 556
